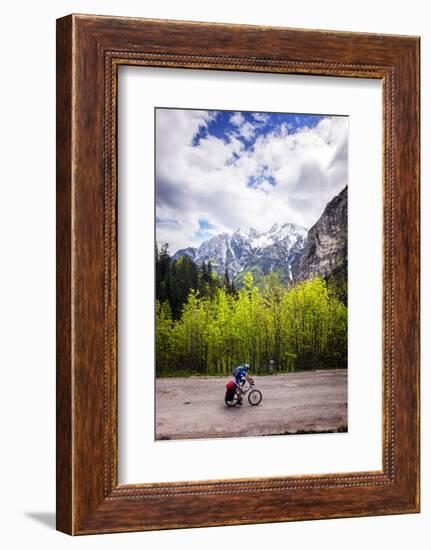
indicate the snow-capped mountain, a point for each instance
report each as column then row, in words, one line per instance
column 288, row 249
column 277, row 249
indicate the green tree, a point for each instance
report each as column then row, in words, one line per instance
column 202, row 327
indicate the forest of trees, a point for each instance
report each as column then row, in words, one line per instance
column 206, row 326
column 176, row 278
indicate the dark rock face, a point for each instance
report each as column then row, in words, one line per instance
column 325, row 250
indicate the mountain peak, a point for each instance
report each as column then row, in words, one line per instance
column 248, row 248
column 190, row 251
column 245, row 232
column 274, row 228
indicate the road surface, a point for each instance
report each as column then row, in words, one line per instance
column 193, row 408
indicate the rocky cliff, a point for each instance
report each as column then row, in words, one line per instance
column 325, row 250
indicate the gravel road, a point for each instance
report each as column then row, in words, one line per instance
column 193, row 408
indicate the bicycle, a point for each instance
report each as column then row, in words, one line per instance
column 254, row 396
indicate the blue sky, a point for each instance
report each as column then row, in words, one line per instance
column 222, row 126
column 220, row 170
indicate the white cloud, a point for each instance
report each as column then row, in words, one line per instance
column 260, row 117
column 247, row 130
column 244, row 128
column 237, row 119
column 210, row 180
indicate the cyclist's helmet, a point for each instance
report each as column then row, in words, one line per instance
column 246, row 366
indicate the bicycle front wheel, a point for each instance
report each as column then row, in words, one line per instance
column 254, row 397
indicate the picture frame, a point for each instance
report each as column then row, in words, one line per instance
column 89, row 51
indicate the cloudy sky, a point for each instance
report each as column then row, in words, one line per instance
column 217, row 171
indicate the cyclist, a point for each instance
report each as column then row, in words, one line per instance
column 240, row 374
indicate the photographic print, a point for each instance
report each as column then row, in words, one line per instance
column 251, row 273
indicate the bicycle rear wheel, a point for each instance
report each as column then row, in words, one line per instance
column 233, row 402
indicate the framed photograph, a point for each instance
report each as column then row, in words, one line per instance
column 237, row 274
column 240, row 299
